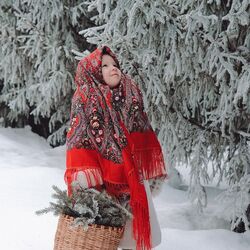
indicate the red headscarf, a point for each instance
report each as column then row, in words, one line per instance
column 110, row 139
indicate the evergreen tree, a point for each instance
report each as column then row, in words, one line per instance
column 192, row 61
column 37, row 65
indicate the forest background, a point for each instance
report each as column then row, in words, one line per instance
column 191, row 59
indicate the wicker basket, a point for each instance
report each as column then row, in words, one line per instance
column 96, row 237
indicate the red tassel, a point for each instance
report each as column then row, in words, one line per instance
column 141, row 227
column 138, row 203
column 151, row 162
column 116, row 189
column 68, row 179
column 93, row 177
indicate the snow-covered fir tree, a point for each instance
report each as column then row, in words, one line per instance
column 192, row 61
column 37, row 65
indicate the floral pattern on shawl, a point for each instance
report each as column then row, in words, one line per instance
column 97, row 111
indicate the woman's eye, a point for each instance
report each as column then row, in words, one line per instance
column 104, row 65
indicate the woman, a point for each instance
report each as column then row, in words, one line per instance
column 111, row 144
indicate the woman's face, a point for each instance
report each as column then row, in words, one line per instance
column 110, row 71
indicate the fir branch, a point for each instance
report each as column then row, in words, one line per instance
column 87, row 206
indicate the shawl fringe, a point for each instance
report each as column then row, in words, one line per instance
column 116, row 189
column 139, row 206
column 92, row 177
column 151, row 162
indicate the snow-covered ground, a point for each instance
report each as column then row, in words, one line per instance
column 28, row 169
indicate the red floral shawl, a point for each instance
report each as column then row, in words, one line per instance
column 110, row 139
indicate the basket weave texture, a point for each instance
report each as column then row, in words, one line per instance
column 96, row 237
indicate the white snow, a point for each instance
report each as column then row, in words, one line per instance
column 28, row 169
